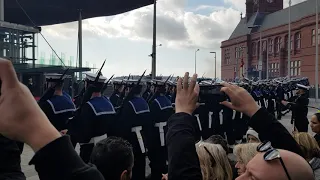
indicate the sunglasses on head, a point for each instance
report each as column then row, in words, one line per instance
column 271, row 154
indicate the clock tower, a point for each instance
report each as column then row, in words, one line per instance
column 262, row 6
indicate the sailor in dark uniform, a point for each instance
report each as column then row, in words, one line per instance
column 132, row 123
column 94, row 119
column 118, row 87
column 280, row 96
column 298, row 105
column 147, row 92
column 161, row 109
column 59, row 107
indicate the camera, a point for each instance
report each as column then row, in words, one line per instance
column 211, row 92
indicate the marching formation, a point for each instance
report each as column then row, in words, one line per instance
column 138, row 110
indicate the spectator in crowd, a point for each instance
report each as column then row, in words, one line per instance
column 22, row 120
column 244, row 153
column 213, row 162
column 310, row 150
column 315, row 126
column 252, row 136
column 217, row 139
column 114, row 158
column 184, row 162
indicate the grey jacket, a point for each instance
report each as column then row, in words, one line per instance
column 315, row 164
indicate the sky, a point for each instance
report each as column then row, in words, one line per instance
column 125, row 40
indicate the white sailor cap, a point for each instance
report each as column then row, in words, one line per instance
column 132, row 82
column 54, row 77
column 117, row 82
column 303, row 87
column 157, row 82
column 92, row 77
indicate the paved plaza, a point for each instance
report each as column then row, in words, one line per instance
column 32, row 175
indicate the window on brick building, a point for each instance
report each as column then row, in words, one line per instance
column 273, row 69
column 236, row 52
column 270, row 43
column 313, row 37
column 286, row 42
column 264, row 46
column 278, row 44
column 318, row 36
column 227, row 56
column 254, row 49
column 297, row 39
column 295, row 68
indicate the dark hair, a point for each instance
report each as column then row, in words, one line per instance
column 217, row 139
column 97, row 85
column 112, row 156
column 318, row 116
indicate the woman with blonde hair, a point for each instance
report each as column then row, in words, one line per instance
column 213, row 162
column 310, row 150
column 244, row 153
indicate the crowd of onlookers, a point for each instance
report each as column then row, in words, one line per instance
column 271, row 153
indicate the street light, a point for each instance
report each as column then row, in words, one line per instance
column 151, row 55
column 260, row 53
column 215, row 64
column 195, row 61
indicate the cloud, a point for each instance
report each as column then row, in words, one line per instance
column 176, row 27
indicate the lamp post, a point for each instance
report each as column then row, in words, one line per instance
column 289, row 40
column 215, row 64
column 317, row 54
column 195, row 61
column 260, row 49
column 154, row 50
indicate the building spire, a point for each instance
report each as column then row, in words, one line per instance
column 241, row 15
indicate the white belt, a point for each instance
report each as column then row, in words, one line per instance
column 275, row 104
column 161, row 131
column 137, row 130
column 210, row 119
column 95, row 140
column 198, row 120
column 265, row 102
column 221, row 117
column 241, row 115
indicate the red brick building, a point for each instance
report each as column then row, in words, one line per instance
column 240, row 53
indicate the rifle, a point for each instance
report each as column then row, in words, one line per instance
column 130, row 94
column 157, row 92
column 88, row 92
column 49, row 93
column 123, row 92
column 106, row 85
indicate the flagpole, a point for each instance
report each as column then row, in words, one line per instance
column 317, row 55
column 289, row 40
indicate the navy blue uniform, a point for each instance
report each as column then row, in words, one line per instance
column 161, row 110
column 93, row 123
column 58, row 110
column 133, row 122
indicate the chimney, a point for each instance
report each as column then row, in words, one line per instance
column 249, row 9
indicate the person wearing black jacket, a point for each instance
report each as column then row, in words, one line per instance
column 183, row 159
column 298, row 104
column 23, row 120
column 10, row 160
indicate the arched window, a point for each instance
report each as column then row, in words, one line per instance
column 278, row 44
column 297, row 40
column 286, row 42
column 254, row 49
column 270, row 43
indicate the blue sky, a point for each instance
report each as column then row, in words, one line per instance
column 125, row 40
